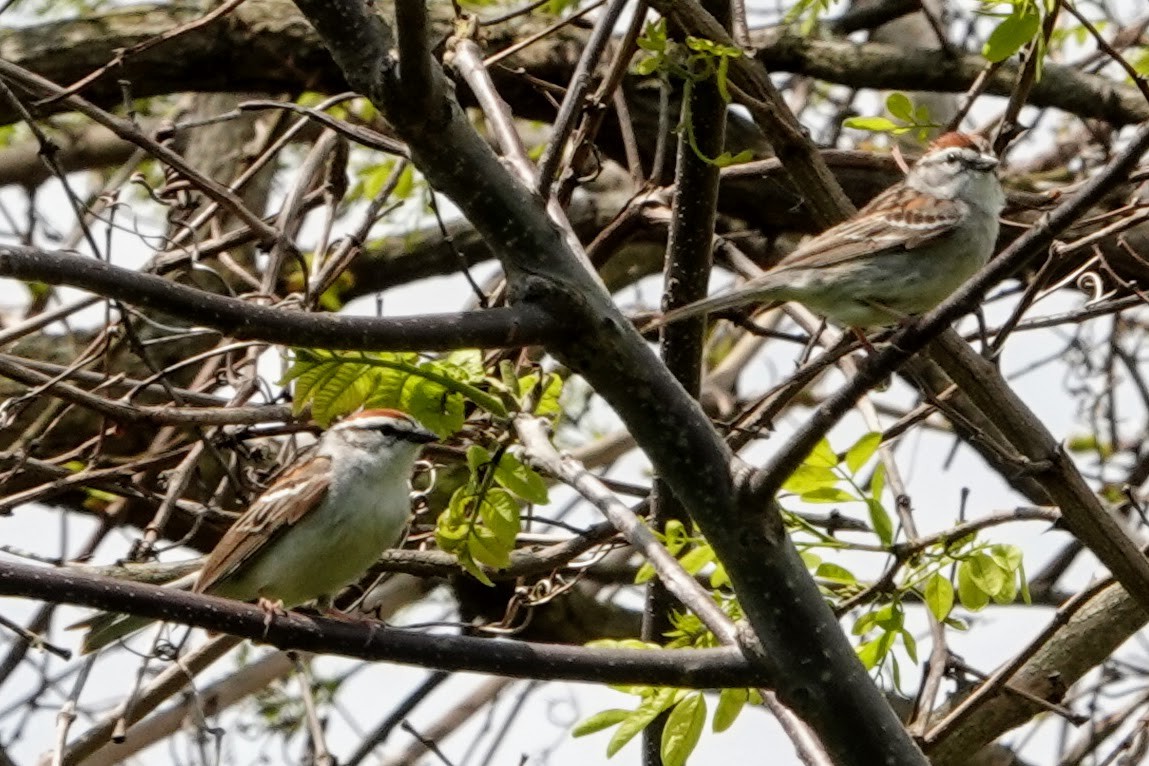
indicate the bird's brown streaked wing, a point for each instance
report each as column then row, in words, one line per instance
column 913, row 221
column 293, row 495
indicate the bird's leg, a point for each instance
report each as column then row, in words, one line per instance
column 325, row 605
column 861, row 336
column 270, row 608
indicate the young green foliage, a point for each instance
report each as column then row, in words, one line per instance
column 907, row 118
column 698, row 60
column 807, row 13
column 434, row 391
column 482, row 520
column 985, row 572
column 1018, row 27
column 687, row 712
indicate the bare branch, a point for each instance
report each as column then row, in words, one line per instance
column 695, row 668
column 494, row 328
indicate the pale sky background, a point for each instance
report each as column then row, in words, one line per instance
column 540, row 732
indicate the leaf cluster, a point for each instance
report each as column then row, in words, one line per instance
column 482, row 519
column 698, row 60
column 686, row 708
column 907, row 118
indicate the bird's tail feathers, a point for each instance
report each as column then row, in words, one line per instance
column 104, row 628
column 108, row 627
column 729, row 300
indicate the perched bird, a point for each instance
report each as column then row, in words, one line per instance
column 902, row 254
column 317, row 528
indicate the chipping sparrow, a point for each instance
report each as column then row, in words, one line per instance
column 317, row 528
column 902, row 254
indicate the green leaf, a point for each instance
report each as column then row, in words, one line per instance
column 899, row 105
column 675, row 536
column 719, row 578
column 373, row 178
column 911, row 645
column 730, row 704
column 726, row 159
column 433, row 391
column 644, row 574
column 827, row 495
column 405, row 184
column 875, row 124
column 858, row 455
column 654, row 37
column 500, row 513
column 548, row 405
column 890, row 617
column 1008, row 557
column 939, row 594
column 880, row 521
column 683, row 728
column 343, row 393
column 432, row 403
column 697, row 558
column 1023, row 585
column 604, row 719
column 863, row 625
column 822, row 455
column 478, row 457
column 986, row 573
column 835, row 573
column 873, row 652
column 700, row 44
column 972, row 596
column 809, row 477
column 640, row 719
column 470, row 567
column 1007, row 592
column 878, row 482
column 1011, row 34
column 517, row 478
column 957, row 623
column 647, row 66
column 485, row 548
column 467, row 360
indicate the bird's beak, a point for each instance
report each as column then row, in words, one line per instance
column 985, row 162
column 422, row 436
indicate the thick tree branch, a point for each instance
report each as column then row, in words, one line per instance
column 887, row 67
column 494, row 328
column 1082, row 640
column 246, row 51
column 709, row 668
